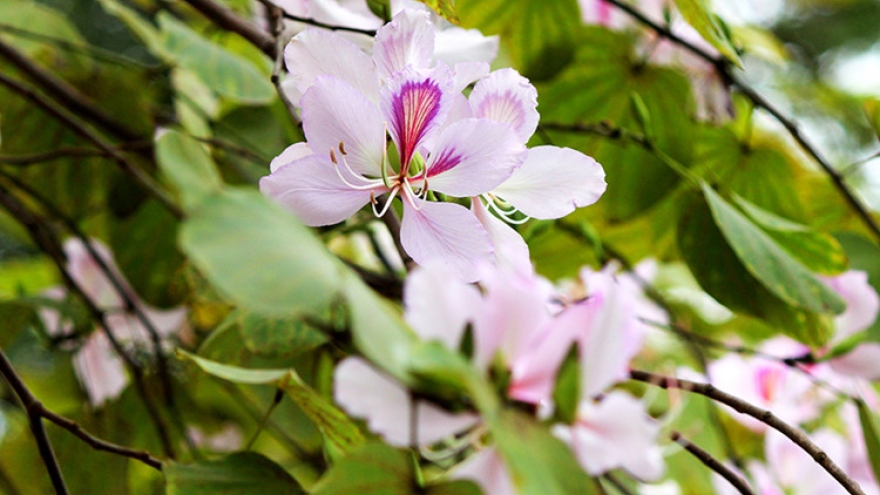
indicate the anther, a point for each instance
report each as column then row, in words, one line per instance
column 342, row 148
column 333, row 157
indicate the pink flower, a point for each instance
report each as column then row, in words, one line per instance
column 614, row 433
column 862, row 306
column 97, row 365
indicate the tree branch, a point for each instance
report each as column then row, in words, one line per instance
column 723, row 67
column 226, row 18
column 33, row 407
column 763, row 415
column 712, row 463
column 65, row 152
column 81, row 129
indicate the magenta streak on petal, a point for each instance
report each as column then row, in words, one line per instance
column 503, row 107
column 446, row 160
column 414, row 107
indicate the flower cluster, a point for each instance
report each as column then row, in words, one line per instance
column 524, row 331
column 446, row 146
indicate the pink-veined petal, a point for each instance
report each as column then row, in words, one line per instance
column 335, row 112
column 505, row 96
column 408, row 40
column 448, row 234
column 387, row 407
column 552, row 182
column 312, row 190
column 613, row 337
column 614, row 433
column 514, row 313
column 290, row 154
column 439, row 306
column 862, row 303
column 415, row 105
column 472, row 156
column 487, row 469
column 535, row 367
column 100, row 369
column 455, row 45
column 511, row 251
column 317, row 52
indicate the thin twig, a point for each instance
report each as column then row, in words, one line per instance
column 763, row 415
column 75, row 124
column 33, row 408
column 712, row 463
column 226, row 18
column 332, row 27
column 276, row 21
column 68, row 95
column 723, row 67
column 66, row 152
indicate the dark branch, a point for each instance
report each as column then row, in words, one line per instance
column 763, row 415
column 712, row 463
column 225, row 18
column 33, row 408
column 66, row 152
column 332, row 27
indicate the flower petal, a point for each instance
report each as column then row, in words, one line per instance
column 863, row 362
column 511, row 251
column 467, row 72
column 448, row 234
column 505, row 96
column 289, row 155
column 335, row 112
column 316, row 52
column 614, row 433
column 415, row 105
column 312, row 190
column 455, row 45
column 407, row 40
column 552, row 182
column 100, row 369
column 862, row 303
column 90, row 276
column 487, row 469
column 386, row 406
column 439, row 306
column 472, row 156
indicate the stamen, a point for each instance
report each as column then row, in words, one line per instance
column 367, row 183
column 506, row 215
column 388, row 202
column 411, row 197
column 342, row 148
column 385, row 155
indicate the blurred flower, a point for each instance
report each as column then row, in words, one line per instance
column 98, row 366
column 862, row 306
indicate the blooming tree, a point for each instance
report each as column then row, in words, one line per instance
column 401, row 247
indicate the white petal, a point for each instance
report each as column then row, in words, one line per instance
column 317, row 52
column 862, row 303
column 614, row 433
column 100, row 369
column 289, row 155
column 552, row 182
column 473, row 156
column 439, row 306
column 386, row 406
column 487, row 469
column 448, row 234
column 407, row 40
column 511, row 251
column 467, row 72
column 91, row 277
column 455, row 45
column 334, row 112
column 505, row 96
column 863, row 362
column 312, row 190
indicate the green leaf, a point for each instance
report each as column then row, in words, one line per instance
column 818, row 251
column 457, row 487
column 539, row 36
column 242, row 473
column 375, row 469
column 770, row 264
column 224, row 72
column 871, row 434
column 538, row 462
column 276, row 336
column 188, row 166
column 721, row 273
column 697, row 14
column 446, row 9
column 872, row 112
column 138, row 25
column 259, row 256
column 336, row 427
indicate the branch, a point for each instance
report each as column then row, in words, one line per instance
column 65, row 152
column 712, row 463
column 763, row 415
column 724, row 70
column 145, row 180
column 226, row 18
column 332, row 27
column 67, row 95
column 33, row 408
column 48, row 243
